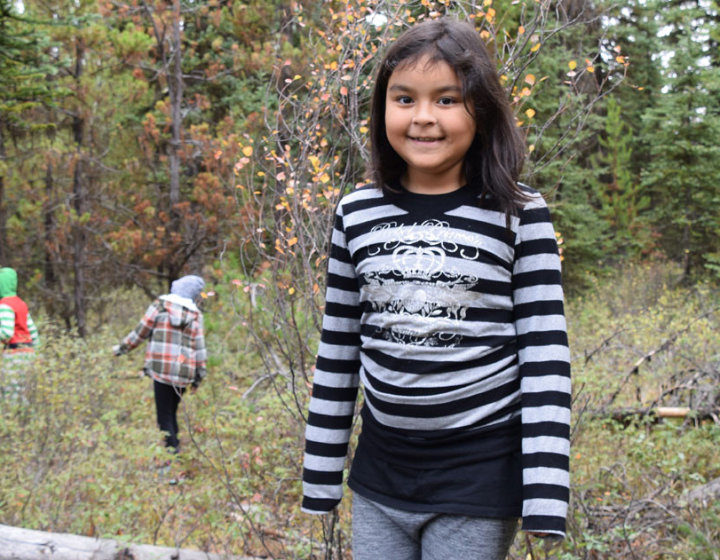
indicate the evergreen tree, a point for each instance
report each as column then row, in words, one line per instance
column 575, row 68
column 683, row 169
column 634, row 26
column 22, row 87
column 619, row 191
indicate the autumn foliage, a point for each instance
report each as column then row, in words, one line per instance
column 144, row 139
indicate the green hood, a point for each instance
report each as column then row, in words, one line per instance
column 8, row 282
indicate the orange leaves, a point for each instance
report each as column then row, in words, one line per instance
column 150, row 127
column 279, row 246
column 619, row 58
column 560, row 241
column 144, row 207
column 315, row 162
column 572, row 65
column 522, row 93
column 247, row 152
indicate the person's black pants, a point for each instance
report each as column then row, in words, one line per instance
column 167, row 399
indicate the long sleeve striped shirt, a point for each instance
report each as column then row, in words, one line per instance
column 7, row 325
column 453, row 324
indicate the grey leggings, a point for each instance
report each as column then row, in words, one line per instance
column 384, row 533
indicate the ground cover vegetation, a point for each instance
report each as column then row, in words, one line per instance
column 142, row 140
column 80, row 454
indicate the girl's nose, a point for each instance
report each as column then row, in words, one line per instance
column 424, row 114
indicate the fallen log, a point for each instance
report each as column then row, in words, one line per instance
column 703, row 495
column 654, row 414
column 26, row 544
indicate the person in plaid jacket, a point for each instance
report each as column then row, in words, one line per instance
column 175, row 357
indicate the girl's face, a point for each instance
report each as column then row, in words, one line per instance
column 428, row 125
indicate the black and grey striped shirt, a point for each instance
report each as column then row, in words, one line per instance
column 455, row 326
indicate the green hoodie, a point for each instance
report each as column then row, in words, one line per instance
column 8, row 282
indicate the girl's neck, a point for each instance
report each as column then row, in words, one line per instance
column 431, row 184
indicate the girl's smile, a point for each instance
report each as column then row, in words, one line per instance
column 428, row 124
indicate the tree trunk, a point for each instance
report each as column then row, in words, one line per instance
column 49, row 225
column 3, row 216
column 175, row 86
column 79, row 201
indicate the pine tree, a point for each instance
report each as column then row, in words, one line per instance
column 683, row 169
column 619, row 190
column 576, row 67
column 22, row 87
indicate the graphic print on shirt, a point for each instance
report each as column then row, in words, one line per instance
column 422, row 299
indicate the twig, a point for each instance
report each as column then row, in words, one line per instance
column 257, row 382
column 647, row 357
column 600, row 346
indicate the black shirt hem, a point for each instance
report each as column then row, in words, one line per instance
column 419, row 507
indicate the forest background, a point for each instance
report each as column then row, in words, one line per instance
column 143, row 140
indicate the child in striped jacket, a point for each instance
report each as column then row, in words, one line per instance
column 444, row 302
column 175, row 357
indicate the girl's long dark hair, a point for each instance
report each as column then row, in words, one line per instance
column 495, row 158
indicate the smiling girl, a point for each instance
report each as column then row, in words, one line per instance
column 444, row 302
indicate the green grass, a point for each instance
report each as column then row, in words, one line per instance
column 79, row 455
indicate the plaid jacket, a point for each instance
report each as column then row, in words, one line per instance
column 176, row 353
